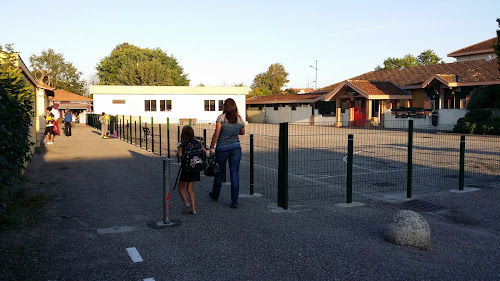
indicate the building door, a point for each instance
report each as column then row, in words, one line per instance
column 359, row 117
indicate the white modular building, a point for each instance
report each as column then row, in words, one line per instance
column 177, row 103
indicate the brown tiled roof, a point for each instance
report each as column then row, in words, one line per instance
column 62, row 95
column 303, row 98
column 450, row 78
column 478, row 72
column 479, row 48
column 378, row 88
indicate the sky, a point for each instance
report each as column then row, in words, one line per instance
column 223, row 43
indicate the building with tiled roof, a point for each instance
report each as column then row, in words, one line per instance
column 442, row 88
column 466, row 73
column 291, row 98
column 480, row 51
column 279, row 108
column 77, row 104
column 377, row 97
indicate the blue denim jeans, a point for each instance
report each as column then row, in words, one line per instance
column 234, row 157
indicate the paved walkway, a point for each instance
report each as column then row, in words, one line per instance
column 102, row 193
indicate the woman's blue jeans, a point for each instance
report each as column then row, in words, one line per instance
column 234, row 157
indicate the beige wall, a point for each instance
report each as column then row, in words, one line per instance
column 418, row 98
column 477, row 57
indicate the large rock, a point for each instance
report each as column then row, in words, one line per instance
column 409, row 228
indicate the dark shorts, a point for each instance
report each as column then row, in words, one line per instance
column 189, row 176
column 49, row 130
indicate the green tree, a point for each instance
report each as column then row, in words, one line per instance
column 51, row 69
column 271, row 82
column 497, row 45
column 16, row 103
column 480, row 118
column 427, row 57
column 131, row 65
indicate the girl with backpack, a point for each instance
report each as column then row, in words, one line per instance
column 191, row 152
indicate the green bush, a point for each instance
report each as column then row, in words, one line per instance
column 485, row 97
column 16, row 102
column 479, row 120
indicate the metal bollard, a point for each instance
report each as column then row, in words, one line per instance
column 461, row 173
column 409, row 175
column 252, row 180
column 350, row 149
column 166, row 192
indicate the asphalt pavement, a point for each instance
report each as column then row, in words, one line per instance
column 102, row 195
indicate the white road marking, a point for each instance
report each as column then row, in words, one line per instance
column 149, row 279
column 134, row 254
column 115, row 229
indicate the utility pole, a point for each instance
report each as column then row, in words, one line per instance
column 315, row 81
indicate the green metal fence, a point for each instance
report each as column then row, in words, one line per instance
column 411, row 160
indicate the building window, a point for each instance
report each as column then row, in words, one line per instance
column 165, row 105
column 150, row 105
column 209, row 105
column 294, row 107
column 276, row 107
column 118, row 101
column 221, row 105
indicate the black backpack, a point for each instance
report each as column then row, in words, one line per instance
column 193, row 158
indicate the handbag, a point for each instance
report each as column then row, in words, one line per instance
column 212, row 167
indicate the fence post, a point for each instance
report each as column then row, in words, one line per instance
column 159, row 133
column 128, row 131
column 123, row 127
column 409, row 179
column 461, row 175
column 140, row 132
column 205, row 138
column 130, row 127
column 152, row 136
column 283, row 166
column 146, row 135
column 135, row 132
column 168, row 137
column 178, row 140
column 350, row 149
column 251, row 166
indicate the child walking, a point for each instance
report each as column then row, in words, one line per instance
column 187, row 178
column 49, row 128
